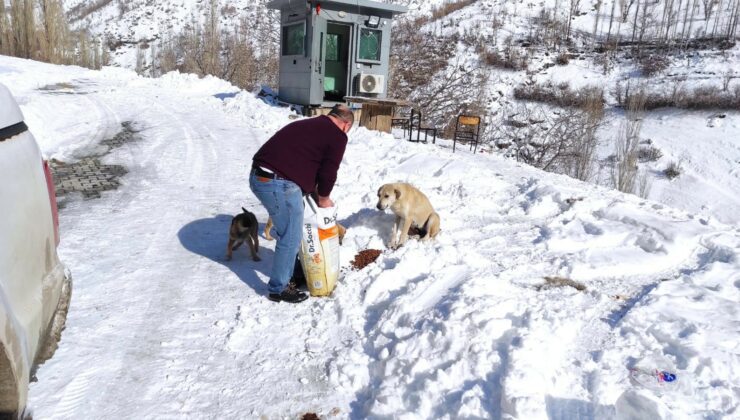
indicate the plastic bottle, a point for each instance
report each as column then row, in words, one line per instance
column 658, row 373
column 654, row 379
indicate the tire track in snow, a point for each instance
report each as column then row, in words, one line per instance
column 74, row 396
column 195, row 390
column 76, row 393
column 165, row 294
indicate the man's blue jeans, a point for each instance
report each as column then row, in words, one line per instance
column 283, row 200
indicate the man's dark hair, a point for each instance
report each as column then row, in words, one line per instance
column 343, row 113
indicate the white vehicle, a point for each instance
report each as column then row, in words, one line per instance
column 34, row 285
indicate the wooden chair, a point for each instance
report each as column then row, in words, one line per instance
column 401, row 119
column 415, row 123
column 467, row 130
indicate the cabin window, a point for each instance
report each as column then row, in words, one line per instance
column 333, row 41
column 294, row 37
column 370, row 44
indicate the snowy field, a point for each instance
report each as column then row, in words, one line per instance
column 161, row 326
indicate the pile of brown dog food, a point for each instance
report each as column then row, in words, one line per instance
column 365, row 257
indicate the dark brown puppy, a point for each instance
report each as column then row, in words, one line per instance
column 244, row 227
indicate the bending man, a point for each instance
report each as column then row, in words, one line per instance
column 296, row 159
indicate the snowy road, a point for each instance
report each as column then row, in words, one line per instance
column 156, row 305
column 162, row 327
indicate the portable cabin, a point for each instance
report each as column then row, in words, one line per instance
column 333, row 48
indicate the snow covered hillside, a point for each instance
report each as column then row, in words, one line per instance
column 704, row 142
column 127, row 24
column 161, row 326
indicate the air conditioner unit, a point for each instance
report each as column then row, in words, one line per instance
column 372, row 83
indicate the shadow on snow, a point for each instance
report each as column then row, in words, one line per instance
column 208, row 238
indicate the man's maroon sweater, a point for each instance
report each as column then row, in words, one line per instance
column 307, row 152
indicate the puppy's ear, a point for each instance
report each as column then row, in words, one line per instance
column 379, row 190
column 398, row 193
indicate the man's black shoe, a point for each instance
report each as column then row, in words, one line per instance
column 289, row 295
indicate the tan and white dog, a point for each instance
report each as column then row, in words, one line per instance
column 412, row 209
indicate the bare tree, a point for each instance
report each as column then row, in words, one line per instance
column 246, row 54
column 84, row 50
column 29, row 24
column 6, row 34
column 686, row 17
column 97, row 57
column 611, row 20
column 694, row 8
column 624, row 171
column 708, row 9
column 445, row 88
column 140, row 60
column 154, row 70
column 644, row 184
column 238, row 57
column 634, row 22
column 585, row 142
column 664, row 22
column 54, row 37
column 676, row 19
column 645, row 20
column 104, row 54
column 167, row 58
column 209, row 60
column 717, row 17
column 562, row 141
column 597, row 18
column 38, row 29
column 573, row 8
column 18, row 29
column 624, row 9
column 733, row 21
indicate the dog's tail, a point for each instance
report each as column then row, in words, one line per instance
column 244, row 210
column 431, row 227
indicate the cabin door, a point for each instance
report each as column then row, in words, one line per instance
column 336, row 61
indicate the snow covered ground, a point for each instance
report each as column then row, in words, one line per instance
column 161, row 326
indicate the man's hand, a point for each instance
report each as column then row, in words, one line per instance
column 325, row 202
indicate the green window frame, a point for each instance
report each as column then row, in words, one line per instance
column 370, row 45
column 294, row 38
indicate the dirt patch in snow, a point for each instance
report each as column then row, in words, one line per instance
column 551, row 282
column 63, row 88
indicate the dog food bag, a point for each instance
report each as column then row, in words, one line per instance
column 319, row 252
